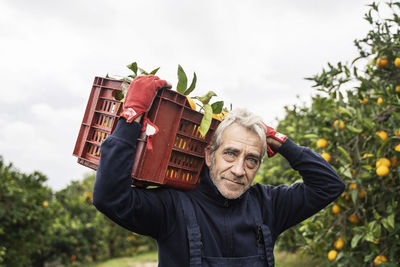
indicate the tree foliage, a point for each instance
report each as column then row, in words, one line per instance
column 364, row 95
column 38, row 226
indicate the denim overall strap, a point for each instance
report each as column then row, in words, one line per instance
column 265, row 231
column 193, row 230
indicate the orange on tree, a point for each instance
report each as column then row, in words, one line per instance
column 383, row 135
column 397, row 133
column 339, row 243
column 322, row 143
column 382, row 62
column 379, row 101
column 345, row 195
column 353, row 218
column 397, row 148
column 352, row 186
column 326, row 156
column 379, row 259
column 45, row 204
column 397, row 89
column 362, row 193
column 383, row 162
column 397, row 62
column 340, row 123
column 335, row 209
column 382, row 171
column 364, row 101
column 332, row 255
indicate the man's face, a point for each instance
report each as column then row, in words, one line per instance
column 236, row 161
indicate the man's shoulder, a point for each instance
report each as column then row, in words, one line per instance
column 260, row 191
column 267, row 191
column 261, row 187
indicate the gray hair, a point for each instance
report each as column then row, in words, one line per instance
column 244, row 118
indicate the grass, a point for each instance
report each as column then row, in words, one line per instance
column 283, row 259
column 286, row 259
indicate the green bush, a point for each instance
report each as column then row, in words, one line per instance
column 38, row 226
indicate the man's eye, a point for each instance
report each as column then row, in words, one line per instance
column 252, row 162
column 229, row 155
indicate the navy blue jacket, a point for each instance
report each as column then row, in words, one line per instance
column 226, row 228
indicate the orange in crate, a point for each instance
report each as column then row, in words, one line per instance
column 178, row 148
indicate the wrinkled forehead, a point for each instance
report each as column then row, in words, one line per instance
column 236, row 137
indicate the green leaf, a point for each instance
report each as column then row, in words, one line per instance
column 391, row 220
column 377, row 216
column 355, row 240
column 192, row 85
column 345, row 172
column 344, row 152
column 353, row 194
column 367, row 167
column 386, row 224
column 375, row 228
column 206, row 98
column 182, row 80
column 133, row 67
column 310, row 136
column 367, row 123
column 369, row 237
column 354, row 129
column 142, row 71
column 345, row 111
column 206, row 121
column 217, row 107
column 153, row 72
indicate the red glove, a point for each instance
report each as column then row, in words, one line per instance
column 271, row 132
column 140, row 95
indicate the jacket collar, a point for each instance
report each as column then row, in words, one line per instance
column 208, row 189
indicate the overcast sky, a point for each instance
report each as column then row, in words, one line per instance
column 253, row 54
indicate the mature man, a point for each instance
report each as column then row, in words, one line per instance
column 225, row 221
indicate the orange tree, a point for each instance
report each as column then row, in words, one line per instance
column 39, row 227
column 86, row 235
column 354, row 122
column 25, row 217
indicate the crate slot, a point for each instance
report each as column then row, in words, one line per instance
column 93, row 150
column 98, row 136
column 178, row 174
column 104, row 120
column 184, row 160
column 108, row 106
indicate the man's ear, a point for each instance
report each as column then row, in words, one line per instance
column 207, row 154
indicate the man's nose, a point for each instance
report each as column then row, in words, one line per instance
column 237, row 168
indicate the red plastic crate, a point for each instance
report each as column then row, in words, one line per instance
column 178, row 148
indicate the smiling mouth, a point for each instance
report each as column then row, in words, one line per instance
column 233, row 181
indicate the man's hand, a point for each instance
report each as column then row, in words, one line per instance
column 140, row 96
column 274, row 140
